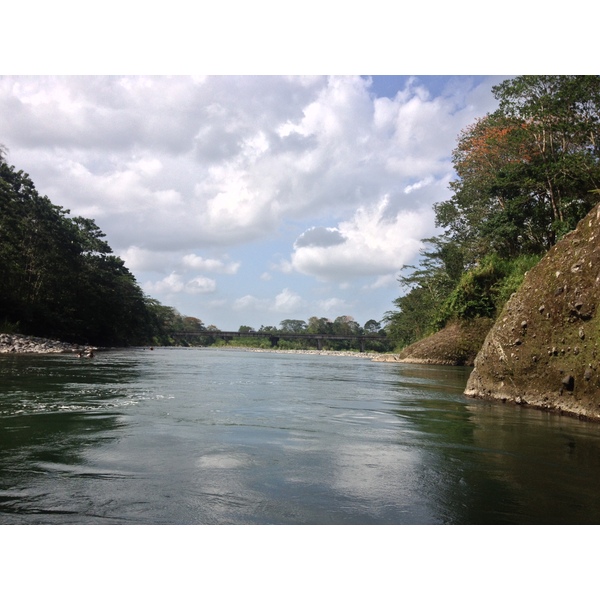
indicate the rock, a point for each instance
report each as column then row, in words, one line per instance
column 568, row 383
column 557, row 320
column 24, row 344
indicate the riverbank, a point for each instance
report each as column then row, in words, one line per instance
column 369, row 355
column 27, row 344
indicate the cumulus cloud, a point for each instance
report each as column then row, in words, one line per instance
column 190, row 163
column 193, row 261
column 251, row 303
column 374, row 244
column 285, row 302
column 143, row 259
column 288, row 301
column 175, row 284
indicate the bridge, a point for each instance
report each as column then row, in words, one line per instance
column 274, row 337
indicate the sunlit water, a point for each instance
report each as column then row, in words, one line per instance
column 200, row 436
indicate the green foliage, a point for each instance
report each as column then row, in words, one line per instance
column 427, row 288
column 293, row 326
column 510, row 283
column 59, row 278
column 526, row 171
column 483, row 290
column 249, row 342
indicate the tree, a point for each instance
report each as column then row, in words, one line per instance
column 58, row 277
column 346, row 325
column 372, row 327
column 319, row 325
column 293, row 326
column 526, row 172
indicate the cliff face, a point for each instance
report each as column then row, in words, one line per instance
column 543, row 349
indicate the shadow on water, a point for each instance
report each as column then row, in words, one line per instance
column 491, row 463
column 52, row 409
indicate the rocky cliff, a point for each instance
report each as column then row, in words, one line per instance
column 543, row 349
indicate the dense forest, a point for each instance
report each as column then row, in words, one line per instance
column 59, row 278
column 526, row 174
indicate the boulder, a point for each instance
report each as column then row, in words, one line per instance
column 543, row 348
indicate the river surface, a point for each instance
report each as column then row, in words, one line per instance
column 202, row 436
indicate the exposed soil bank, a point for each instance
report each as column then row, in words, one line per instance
column 543, row 349
column 455, row 345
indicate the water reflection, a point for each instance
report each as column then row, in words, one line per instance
column 490, row 463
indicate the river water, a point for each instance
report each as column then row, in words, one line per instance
column 202, row 436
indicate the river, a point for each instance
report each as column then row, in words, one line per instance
column 205, row 436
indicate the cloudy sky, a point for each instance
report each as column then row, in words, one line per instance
column 246, row 200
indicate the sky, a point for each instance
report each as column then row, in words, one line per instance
column 248, row 200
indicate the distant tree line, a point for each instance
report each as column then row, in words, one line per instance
column 342, row 325
column 526, row 174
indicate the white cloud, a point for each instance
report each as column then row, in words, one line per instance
column 200, row 285
column 172, row 284
column 288, row 302
column 177, row 163
column 251, row 303
column 333, row 306
column 375, row 244
column 320, row 237
column 193, row 261
column 175, row 284
column 142, row 259
column 418, row 185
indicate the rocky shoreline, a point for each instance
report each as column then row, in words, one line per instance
column 369, row 355
column 27, row 344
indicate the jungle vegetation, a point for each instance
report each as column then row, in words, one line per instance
column 60, row 279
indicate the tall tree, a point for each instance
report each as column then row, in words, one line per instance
column 526, row 172
column 58, row 277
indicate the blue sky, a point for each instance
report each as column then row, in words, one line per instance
column 247, row 200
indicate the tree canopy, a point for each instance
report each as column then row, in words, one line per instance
column 60, row 278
